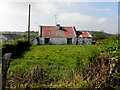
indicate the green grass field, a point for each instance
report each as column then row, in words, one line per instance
column 62, row 65
column 56, row 55
column 58, row 62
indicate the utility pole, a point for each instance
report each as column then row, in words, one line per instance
column 29, row 23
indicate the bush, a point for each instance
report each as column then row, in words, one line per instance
column 16, row 48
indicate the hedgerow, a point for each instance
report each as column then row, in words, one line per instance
column 16, row 47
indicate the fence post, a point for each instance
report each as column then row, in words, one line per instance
column 5, row 65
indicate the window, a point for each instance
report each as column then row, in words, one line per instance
column 69, row 40
column 47, row 40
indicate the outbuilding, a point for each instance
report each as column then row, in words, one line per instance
column 9, row 37
column 56, row 35
column 84, row 38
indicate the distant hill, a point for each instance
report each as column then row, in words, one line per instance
column 24, row 34
column 100, row 32
column 15, row 32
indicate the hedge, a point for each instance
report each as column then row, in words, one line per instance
column 17, row 47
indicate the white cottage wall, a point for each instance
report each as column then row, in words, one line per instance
column 34, row 42
column 80, row 41
column 58, row 41
column 74, row 40
column 62, row 41
column 41, row 40
column 87, row 41
column 84, row 41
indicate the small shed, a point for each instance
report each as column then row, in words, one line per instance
column 56, row 35
column 9, row 37
column 84, row 38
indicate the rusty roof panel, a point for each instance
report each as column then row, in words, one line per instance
column 84, row 34
column 52, row 31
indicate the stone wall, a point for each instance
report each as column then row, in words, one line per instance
column 84, row 41
column 53, row 41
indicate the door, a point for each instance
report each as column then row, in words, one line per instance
column 69, row 40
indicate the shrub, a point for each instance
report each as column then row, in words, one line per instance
column 16, row 48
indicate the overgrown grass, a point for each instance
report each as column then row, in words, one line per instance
column 56, row 55
column 67, row 65
column 59, row 63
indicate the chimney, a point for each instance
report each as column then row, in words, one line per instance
column 58, row 26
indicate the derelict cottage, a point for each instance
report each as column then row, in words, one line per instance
column 61, row 35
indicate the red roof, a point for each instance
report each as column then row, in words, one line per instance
column 53, row 31
column 84, row 34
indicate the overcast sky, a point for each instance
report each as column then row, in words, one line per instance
column 83, row 15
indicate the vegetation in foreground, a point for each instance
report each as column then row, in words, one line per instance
column 70, row 66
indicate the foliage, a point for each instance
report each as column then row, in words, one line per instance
column 99, row 35
column 33, row 34
column 110, row 44
column 16, row 48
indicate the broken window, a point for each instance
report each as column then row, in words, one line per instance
column 47, row 40
column 69, row 40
